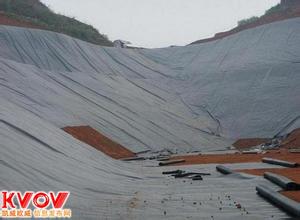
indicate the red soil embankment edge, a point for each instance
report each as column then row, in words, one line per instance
column 237, row 157
column 292, row 141
column 266, row 19
column 97, row 140
column 5, row 20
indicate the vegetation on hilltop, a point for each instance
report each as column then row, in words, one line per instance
column 248, row 20
column 270, row 11
column 287, row 9
column 40, row 15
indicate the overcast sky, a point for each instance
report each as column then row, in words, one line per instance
column 160, row 23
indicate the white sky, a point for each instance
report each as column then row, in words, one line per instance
column 160, row 23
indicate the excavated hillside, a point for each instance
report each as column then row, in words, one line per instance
column 200, row 97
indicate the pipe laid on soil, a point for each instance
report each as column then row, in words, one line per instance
column 281, row 201
column 279, row 162
column 295, row 151
column 133, row 158
column 163, row 158
column 171, row 162
column 282, row 181
column 249, row 152
column 224, row 170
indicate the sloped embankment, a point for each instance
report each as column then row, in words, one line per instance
column 200, row 97
column 97, row 140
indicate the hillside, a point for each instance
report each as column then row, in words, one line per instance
column 34, row 14
column 69, row 109
column 285, row 10
column 145, row 95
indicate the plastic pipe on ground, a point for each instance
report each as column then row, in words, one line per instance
column 171, row 162
column 295, row 151
column 224, row 170
column 181, row 175
column 282, row 181
column 279, row 200
column 163, row 158
column 133, row 158
column 197, row 177
column 279, row 162
column 249, row 152
column 172, row 172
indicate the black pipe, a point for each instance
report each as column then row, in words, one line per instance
column 181, row 175
column 282, row 181
column 279, row 200
column 197, row 177
column 172, row 172
column 171, row 162
column 279, row 162
column 224, row 170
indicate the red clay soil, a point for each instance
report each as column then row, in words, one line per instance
column 249, row 142
column 5, row 20
column 283, row 154
column 294, row 195
column 266, row 19
column 291, row 173
column 293, row 140
column 97, row 140
column 237, row 158
column 218, row 158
